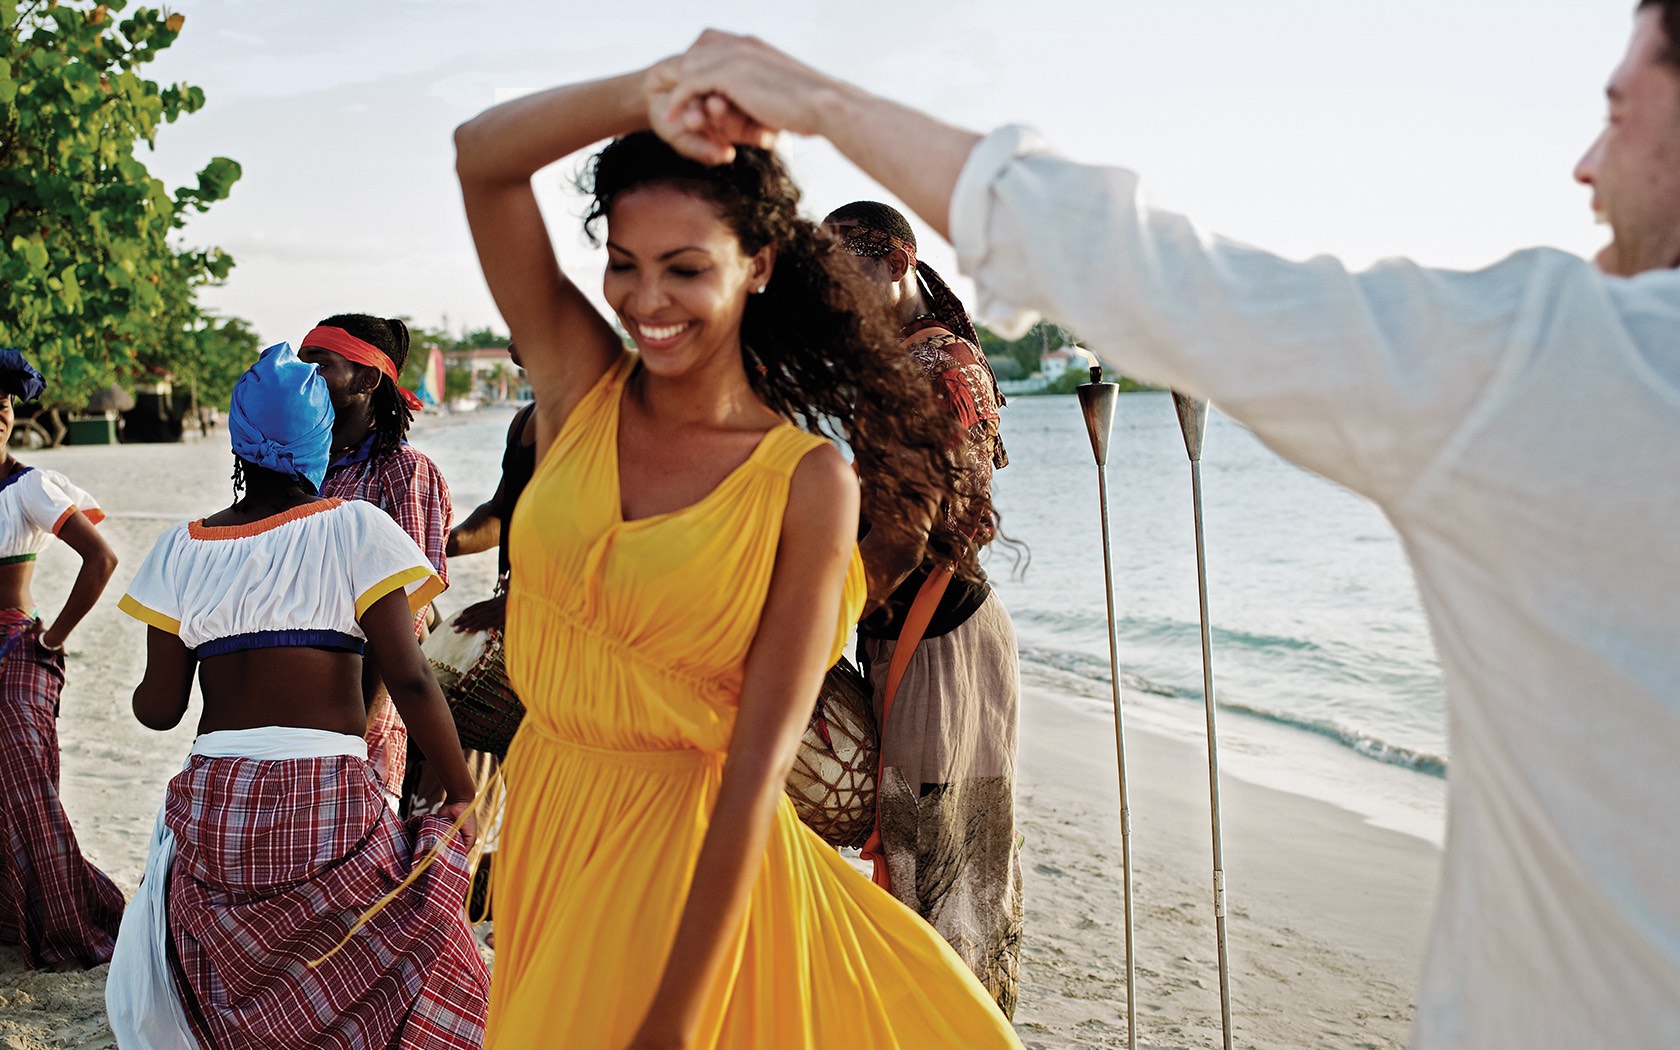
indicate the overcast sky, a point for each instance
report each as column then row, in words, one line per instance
column 1440, row 129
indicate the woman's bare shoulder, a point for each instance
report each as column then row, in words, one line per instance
column 823, row 494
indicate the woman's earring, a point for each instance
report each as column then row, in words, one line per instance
column 760, row 289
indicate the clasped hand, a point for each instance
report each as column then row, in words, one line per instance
column 728, row 90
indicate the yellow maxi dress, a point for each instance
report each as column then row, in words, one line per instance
column 627, row 641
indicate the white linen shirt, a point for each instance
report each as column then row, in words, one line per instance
column 1520, row 427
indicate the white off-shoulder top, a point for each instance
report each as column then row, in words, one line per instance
column 34, row 505
column 304, row 577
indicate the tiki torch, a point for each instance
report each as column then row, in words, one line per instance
column 1096, row 401
column 1192, row 420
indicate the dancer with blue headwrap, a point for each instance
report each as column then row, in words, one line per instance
column 276, row 836
column 61, row 909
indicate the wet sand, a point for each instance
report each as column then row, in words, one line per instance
column 1327, row 914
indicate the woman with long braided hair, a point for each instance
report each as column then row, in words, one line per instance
column 688, row 568
column 945, row 833
column 360, row 356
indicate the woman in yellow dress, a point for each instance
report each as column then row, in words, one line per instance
column 687, row 568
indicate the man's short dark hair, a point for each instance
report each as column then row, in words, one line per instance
column 1671, row 28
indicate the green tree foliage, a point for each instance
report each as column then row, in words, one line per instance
column 1040, row 339
column 479, row 337
column 457, row 382
column 1007, row 368
column 422, row 339
column 213, row 355
column 1074, row 377
column 91, row 286
column 1025, row 351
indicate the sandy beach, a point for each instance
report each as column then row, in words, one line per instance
column 1327, row 913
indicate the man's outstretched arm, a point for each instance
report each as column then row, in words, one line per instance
column 1361, row 377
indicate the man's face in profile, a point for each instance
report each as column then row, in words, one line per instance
column 1633, row 166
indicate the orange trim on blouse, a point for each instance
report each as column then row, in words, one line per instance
column 62, row 518
column 200, row 531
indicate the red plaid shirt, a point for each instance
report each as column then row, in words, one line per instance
column 408, row 486
column 405, row 484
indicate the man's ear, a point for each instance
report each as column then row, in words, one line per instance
column 898, row 264
column 366, row 380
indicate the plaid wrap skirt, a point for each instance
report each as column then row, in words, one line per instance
column 53, row 902
column 275, row 860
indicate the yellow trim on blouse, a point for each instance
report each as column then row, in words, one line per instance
column 149, row 616
column 416, row 601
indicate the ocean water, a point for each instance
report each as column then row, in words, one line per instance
column 1323, row 668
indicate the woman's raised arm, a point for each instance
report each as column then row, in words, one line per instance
column 564, row 341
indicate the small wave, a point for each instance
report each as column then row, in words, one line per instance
column 1426, row 762
column 1252, row 640
column 1094, row 669
column 1162, row 630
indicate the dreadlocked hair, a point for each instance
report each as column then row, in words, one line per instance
column 249, row 477
column 816, row 345
column 389, row 335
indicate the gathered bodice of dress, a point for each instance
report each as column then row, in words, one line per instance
column 633, row 635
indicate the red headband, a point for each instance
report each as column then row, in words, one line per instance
column 362, row 352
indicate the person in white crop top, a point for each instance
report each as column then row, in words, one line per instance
column 57, row 906
column 277, row 835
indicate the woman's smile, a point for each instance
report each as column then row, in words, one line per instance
column 659, row 336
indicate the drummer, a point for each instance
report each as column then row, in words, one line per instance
column 487, row 525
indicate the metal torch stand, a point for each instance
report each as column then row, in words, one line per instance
column 1096, row 400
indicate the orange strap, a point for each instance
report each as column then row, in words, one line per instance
column 909, row 637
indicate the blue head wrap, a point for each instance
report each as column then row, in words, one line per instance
column 281, row 418
column 19, row 378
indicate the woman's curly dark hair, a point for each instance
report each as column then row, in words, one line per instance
column 817, row 345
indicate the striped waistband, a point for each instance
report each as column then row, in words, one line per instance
column 16, row 559
column 335, row 641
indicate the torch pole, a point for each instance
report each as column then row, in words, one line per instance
column 1192, row 420
column 1096, row 401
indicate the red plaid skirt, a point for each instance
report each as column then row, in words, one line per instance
column 54, row 903
column 274, row 862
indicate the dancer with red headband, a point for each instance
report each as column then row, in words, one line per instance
column 360, row 356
